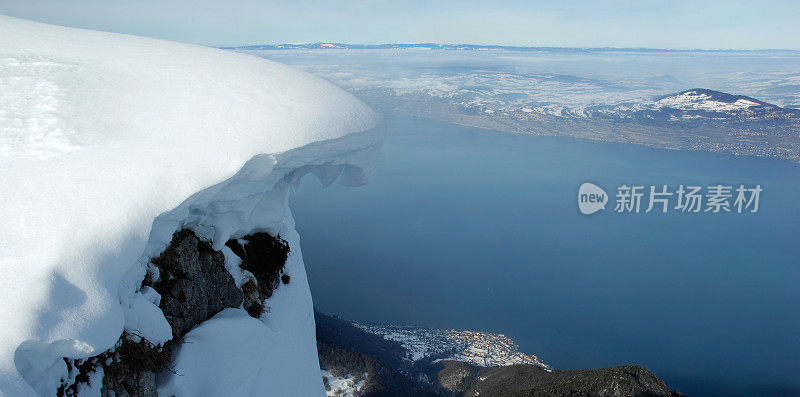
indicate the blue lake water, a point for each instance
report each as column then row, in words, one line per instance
column 473, row 229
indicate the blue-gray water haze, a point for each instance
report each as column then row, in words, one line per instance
column 473, row 229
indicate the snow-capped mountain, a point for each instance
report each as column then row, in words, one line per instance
column 697, row 105
column 708, row 100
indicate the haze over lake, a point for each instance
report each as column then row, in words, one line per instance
column 474, row 229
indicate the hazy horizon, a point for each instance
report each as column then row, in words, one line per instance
column 503, row 46
column 699, row 24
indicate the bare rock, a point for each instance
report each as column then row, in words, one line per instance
column 193, row 283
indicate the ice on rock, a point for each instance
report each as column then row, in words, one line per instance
column 108, row 144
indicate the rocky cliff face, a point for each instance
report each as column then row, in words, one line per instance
column 194, row 284
column 192, row 281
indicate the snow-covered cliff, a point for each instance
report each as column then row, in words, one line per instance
column 111, row 143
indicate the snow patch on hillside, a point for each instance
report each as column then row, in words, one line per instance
column 349, row 386
column 693, row 100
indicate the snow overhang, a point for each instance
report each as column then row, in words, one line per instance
column 109, row 142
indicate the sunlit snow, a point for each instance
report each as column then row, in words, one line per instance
column 108, row 144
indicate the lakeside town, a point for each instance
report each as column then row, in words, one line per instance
column 474, row 347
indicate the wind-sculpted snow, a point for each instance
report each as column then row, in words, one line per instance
column 110, row 143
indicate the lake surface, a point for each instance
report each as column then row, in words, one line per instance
column 473, row 229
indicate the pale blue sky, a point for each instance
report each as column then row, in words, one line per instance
column 644, row 23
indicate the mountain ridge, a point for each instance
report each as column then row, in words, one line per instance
column 464, row 46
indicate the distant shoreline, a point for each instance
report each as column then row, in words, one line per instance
column 485, row 47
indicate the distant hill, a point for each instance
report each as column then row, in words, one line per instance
column 699, row 105
column 360, row 363
column 703, row 96
column 529, row 380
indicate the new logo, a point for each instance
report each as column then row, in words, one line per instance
column 591, row 198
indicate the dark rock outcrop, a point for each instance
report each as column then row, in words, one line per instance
column 194, row 286
column 193, row 282
column 264, row 256
column 129, row 369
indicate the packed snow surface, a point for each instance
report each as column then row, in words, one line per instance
column 108, row 144
column 233, row 354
